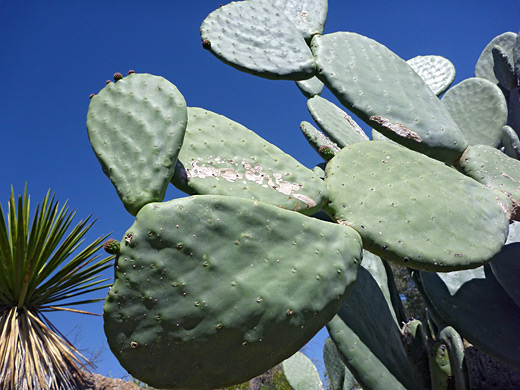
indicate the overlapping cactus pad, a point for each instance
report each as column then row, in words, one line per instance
column 222, row 157
column 415, row 210
column 372, row 81
column 479, row 109
column 256, row 37
column 334, row 122
column 212, row 290
column 369, row 340
column 492, row 168
column 475, row 304
column 136, row 128
column 436, row 71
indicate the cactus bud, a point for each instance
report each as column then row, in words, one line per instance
column 111, row 246
column 117, row 76
column 131, row 72
column 327, row 152
column 108, row 81
column 92, row 95
column 206, row 44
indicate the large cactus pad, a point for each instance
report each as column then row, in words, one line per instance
column 222, row 157
column 212, row 290
column 384, row 91
column 257, row 38
column 414, row 210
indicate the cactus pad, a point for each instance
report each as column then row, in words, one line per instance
column 222, row 157
column 480, row 110
column 371, row 81
column 136, row 128
column 337, row 373
column 436, row 71
column 257, row 38
column 310, row 87
column 358, row 329
column 510, row 142
column 492, row 168
column 211, row 291
column 486, row 316
column 506, row 268
column 485, row 64
column 301, row 373
column 414, row 210
column 319, row 141
column 335, row 123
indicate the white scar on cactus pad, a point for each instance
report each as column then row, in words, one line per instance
column 251, row 173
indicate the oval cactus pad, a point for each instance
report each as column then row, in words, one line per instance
column 480, row 110
column 492, row 168
column 436, row 71
column 414, row 210
column 136, row 128
column 223, row 157
column 257, row 38
column 211, row 291
column 385, row 92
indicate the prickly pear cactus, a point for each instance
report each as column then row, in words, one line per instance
column 213, row 289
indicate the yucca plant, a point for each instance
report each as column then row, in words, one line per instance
column 43, row 268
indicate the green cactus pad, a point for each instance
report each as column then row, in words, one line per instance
column 506, row 268
column 485, row 64
column 513, row 106
column 458, row 364
column 385, row 92
column 309, row 16
column 222, row 157
column 310, row 87
column 335, row 123
column 492, row 168
column 485, row 315
column 440, row 369
column 415, row 343
column 337, row 373
column 375, row 266
column 255, row 37
column 358, row 330
column 436, row 71
column 136, row 128
column 504, row 68
column 211, row 291
column 510, row 142
column 318, row 141
column 414, row 210
column 301, row 373
column 480, row 110
column 514, row 233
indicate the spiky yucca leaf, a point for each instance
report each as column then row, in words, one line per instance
column 41, row 269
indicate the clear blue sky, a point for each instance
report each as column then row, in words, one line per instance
column 54, row 54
